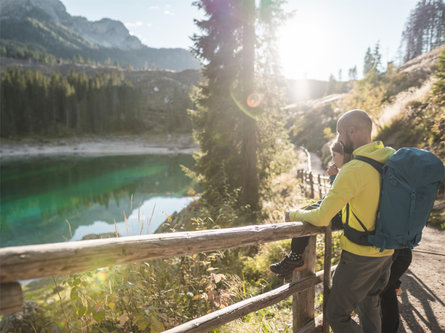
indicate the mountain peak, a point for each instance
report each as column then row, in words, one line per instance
column 47, row 26
column 104, row 33
column 55, row 9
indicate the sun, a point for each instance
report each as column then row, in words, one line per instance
column 302, row 47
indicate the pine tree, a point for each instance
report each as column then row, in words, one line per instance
column 249, row 140
column 7, row 120
column 332, row 85
column 228, row 113
column 377, row 57
column 368, row 62
column 372, row 60
column 216, row 120
column 352, row 73
column 425, row 28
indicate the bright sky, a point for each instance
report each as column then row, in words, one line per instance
column 323, row 37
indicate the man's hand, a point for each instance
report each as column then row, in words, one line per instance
column 287, row 217
column 333, row 170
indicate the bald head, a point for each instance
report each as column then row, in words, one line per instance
column 356, row 118
column 354, row 130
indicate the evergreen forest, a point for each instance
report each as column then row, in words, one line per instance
column 56, row 105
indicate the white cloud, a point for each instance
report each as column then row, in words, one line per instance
column 153, row 7
column 134, row 24
column 167, row 12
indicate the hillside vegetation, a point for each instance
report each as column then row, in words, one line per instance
column 420, row 121
column 406, row 105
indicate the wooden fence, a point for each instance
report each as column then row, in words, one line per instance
column 315, row 186
column 35, row 261
column 312, row 185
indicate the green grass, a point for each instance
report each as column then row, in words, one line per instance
column 437, row 217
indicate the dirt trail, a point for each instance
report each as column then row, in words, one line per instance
column 313, row 162
column 422, row 303
column 316, row 165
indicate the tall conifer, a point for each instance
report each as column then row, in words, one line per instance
column 217, row 118
column 234, row 152
column 425, row 28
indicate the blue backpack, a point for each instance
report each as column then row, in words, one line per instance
column 410, row 181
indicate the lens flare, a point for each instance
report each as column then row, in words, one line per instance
column 102, row 276
column 254, row 100
column 242, row 107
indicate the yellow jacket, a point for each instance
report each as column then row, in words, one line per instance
column 359, row 184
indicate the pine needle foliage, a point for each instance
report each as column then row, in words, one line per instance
column 439, row 87
column 237, row 116
column 425, row 28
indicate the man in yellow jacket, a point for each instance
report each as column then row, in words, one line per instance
column 363, row 271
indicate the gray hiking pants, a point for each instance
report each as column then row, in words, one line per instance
column 357, row 284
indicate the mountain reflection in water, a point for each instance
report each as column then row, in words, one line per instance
column 43, row 197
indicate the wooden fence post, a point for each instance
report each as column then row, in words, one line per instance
column 311, row 182
column 320, row 192
column 303, row 302
column 304, row 181
column 327, row 273
column 11, row 297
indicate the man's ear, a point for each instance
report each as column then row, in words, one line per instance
column 352, row 130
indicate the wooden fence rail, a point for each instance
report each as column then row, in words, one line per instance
column 240, row 309
column 35, row 261
column 313, row 186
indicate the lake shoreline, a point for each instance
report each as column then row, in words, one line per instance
column 109, row 145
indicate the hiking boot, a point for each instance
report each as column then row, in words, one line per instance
column 286, row 278
column 291, row 262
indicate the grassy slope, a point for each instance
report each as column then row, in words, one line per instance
column 417, row 119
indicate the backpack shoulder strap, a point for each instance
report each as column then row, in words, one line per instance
column 355, row 236
column 360, row 237
column 377, row 165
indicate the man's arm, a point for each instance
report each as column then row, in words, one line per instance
column 345, row 187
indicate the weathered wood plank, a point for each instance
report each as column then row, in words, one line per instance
column 314, row 326
column 327, row 274
column 303, row 302
column 34, row 261
column 311, row 182
column 240, row 309
column 11, row 297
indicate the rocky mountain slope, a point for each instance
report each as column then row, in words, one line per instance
column 46, row 24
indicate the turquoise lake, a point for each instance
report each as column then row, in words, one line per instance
column 63, row 198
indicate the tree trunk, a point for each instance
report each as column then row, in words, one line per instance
column 250, row 171
column 78, row 117
column 53, row 111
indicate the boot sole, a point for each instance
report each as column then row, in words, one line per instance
column 288, row 278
